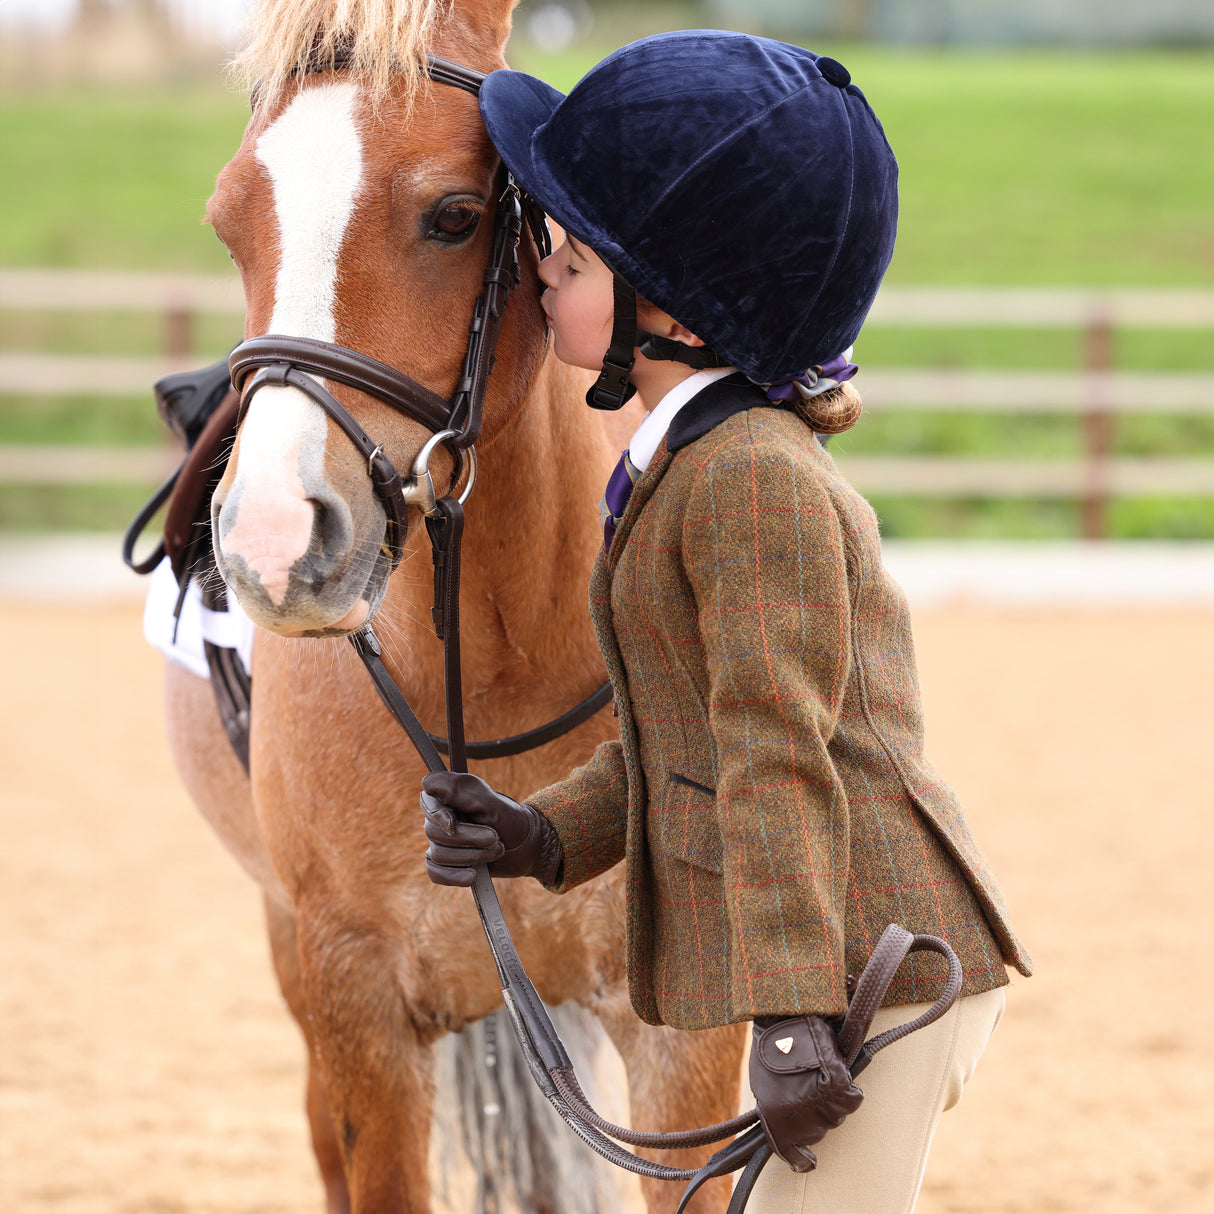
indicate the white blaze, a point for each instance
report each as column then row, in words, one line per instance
column 313, row 155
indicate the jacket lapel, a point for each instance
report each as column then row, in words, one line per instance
column 601, row 576
column 642, row 491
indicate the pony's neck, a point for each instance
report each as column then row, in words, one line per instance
column 531, row 534
column 547, row 454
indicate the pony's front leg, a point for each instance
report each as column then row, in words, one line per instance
column 677, row 1081
column 376, row 1071
column 284, row 948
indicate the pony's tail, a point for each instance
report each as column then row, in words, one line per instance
column 498, row 1146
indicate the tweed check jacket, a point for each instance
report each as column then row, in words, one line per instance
column 768, row 792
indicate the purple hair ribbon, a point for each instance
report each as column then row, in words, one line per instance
column 813, row 382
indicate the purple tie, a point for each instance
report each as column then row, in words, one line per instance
column 616, row 495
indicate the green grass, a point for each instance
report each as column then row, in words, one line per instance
column 1041, row 518
column 1017, row 167
column 115, row 179
column 49, row 508
column 86, row 420
column 1030, row 167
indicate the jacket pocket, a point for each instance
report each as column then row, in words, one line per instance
column 684, row 827
column 678, row 778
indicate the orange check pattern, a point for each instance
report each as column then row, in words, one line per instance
column 769, row 791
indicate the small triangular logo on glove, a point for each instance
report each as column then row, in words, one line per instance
column 784, row 1045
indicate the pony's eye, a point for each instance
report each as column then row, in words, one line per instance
column 455, row 220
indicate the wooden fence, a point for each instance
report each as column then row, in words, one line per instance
column 1097, row 394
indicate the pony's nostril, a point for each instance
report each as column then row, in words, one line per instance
column 332, row 530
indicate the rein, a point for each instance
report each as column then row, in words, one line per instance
column 278, row 360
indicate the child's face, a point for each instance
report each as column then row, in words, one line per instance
column 579, row 303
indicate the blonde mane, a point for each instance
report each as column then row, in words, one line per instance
column 381, row 40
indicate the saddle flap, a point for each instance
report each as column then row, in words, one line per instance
column 190, row 506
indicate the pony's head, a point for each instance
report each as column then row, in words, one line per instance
column 360, row 211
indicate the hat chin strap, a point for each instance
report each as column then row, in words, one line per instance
column 612, row 389
column 666, row 349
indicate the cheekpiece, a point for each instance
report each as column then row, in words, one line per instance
column 740, row 184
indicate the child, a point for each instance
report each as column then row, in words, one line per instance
column 768, row 792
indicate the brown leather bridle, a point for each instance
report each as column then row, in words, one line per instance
column 279, row 360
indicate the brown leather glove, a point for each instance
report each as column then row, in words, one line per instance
column 801, row 1085
column 467, row 824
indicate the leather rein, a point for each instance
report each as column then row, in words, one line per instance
column 293, row 361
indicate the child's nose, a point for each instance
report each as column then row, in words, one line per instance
column 548, row 275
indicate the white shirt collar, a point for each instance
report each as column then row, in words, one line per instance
column 652, row 430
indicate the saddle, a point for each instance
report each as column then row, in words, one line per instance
column 200, row 407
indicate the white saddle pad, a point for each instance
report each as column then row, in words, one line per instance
column 181, row 639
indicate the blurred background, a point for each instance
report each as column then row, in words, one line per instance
column 1039, row 365
column 1038, row 440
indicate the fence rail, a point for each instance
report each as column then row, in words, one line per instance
column 884, row 389
column 1097, row 394
column 119, row 291
column 927, row 307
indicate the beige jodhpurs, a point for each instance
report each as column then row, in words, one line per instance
column 874, row 1162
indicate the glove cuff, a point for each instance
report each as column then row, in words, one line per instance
column 794, row 1045
column 549, row 854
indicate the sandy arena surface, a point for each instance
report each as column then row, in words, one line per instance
column 148, row 1067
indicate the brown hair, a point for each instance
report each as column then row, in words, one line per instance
column 832, row 412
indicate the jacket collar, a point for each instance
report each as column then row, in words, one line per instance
column 713, row 405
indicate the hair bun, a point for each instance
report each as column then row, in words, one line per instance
column 833, row 412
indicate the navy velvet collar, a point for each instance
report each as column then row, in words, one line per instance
column 708, row 409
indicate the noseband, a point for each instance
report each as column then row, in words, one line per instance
column 280, row 361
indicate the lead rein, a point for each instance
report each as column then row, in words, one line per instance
column 545, row 1054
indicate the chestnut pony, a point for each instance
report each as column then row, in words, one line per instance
column 359, row 209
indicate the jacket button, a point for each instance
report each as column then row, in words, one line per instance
column 852, row 983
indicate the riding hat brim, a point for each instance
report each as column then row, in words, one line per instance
column 514, row 108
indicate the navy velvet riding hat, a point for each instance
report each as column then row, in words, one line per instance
column 740, row 184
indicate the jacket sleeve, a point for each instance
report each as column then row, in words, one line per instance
column 589, row 811
column 764, row 553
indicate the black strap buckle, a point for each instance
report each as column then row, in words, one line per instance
column 611, row 390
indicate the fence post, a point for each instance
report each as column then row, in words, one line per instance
column 178, row 331
column 1097, row 426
